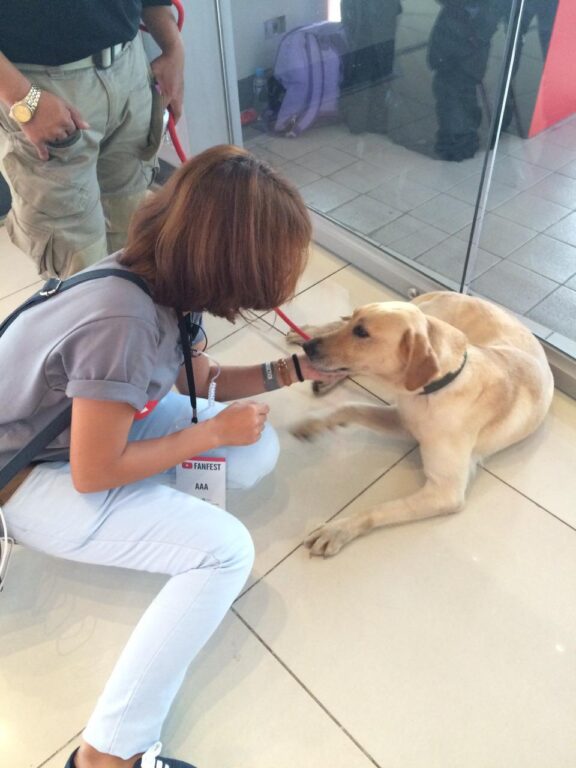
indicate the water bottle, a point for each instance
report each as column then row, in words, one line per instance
column 260, row 88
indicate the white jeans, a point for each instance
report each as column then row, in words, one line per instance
column 148, row 526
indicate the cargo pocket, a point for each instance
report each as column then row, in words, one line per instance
column 63, row 143
column 36, row 243
column 156, row 132
column 53, row 188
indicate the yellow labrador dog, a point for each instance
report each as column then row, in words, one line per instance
column 467, row 380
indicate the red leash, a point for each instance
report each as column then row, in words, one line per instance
column 291, row 324
column 174, row 137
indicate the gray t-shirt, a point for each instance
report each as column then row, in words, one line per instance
column 105, row 339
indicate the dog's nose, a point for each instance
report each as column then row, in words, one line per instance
column 311, row 348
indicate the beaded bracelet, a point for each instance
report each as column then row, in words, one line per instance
column 282, row 368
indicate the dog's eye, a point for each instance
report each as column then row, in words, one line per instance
column 360, row 331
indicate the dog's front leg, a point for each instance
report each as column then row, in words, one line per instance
column 383, row 418
column 443, row 493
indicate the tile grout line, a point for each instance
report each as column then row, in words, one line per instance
column 66, row 743
column 528, row 498
column 376, row 480
column 306, row 689
column 540, row 274
column 338, row 511
column 540, row 301
column 22, row 288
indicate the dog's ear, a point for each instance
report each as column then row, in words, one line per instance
column 421, row 361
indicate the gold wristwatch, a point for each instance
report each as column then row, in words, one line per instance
column 23, row 111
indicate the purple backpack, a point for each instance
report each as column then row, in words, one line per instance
column 308, row 67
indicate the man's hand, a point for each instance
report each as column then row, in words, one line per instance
column 168, row 71
column 168, row 68
column 54, row 120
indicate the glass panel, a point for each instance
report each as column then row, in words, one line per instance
column 382, row 113
column 377, row 110
column 528, row 238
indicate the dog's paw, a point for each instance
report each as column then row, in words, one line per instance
column 293, row 337
column 308, row 429
column 328, row 540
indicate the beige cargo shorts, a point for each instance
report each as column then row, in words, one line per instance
column 73, row 209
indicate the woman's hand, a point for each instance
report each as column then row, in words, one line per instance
column 240, row 423
column 313, row 374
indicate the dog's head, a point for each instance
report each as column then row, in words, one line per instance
column 390, row 340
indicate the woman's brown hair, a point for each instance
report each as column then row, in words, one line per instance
column 225, row 233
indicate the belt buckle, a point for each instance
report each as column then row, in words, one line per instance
column 105, row 58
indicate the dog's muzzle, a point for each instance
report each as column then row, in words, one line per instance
column 311, row 348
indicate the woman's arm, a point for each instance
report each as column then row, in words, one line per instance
column 101, row 457
column 246, row 381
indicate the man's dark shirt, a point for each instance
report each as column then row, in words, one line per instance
column 53, row 32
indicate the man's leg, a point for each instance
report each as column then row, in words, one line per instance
column 127, row 159
column 56, row 216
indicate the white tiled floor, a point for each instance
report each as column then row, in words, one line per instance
column 444, row 644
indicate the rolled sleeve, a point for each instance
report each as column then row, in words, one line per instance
column 108, row 359
column 118, row 391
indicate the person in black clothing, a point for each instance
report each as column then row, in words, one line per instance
column 368, row 63
column 458, row 52
column 81, row 120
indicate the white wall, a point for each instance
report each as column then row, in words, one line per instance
column 203, row 123
column 248, row 17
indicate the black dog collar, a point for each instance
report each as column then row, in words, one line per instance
column 434, row 386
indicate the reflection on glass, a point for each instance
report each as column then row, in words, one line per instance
column 458, row 54
column 379, row 112
column 369, row 30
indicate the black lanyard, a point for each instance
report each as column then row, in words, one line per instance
column 188, row 332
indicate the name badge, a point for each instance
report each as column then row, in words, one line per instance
column 203, row 477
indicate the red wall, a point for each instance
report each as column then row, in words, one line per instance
column 557, row 93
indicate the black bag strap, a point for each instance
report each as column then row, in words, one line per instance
column 28, row 453
column 53, row 286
